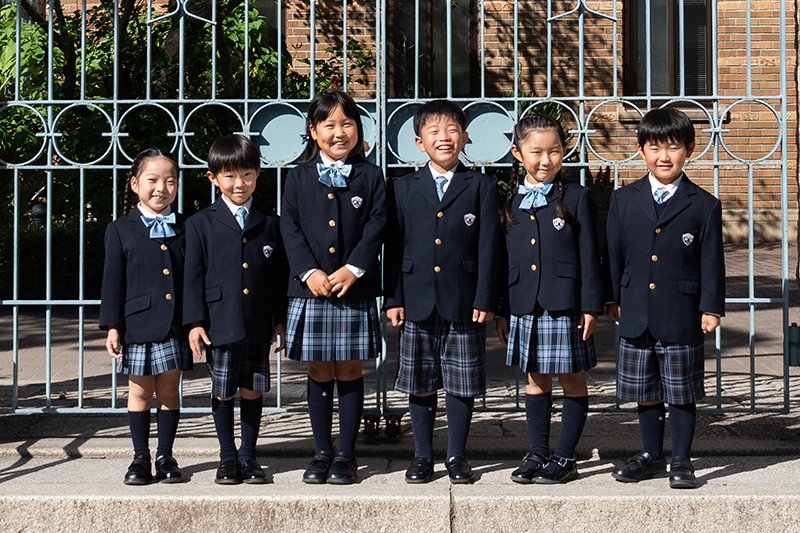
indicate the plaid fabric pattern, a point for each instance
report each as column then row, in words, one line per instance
column 332, row 329
column 547, row 343
column 239, row 364
column 649, row 370
column 437, row 354
column 154, row 358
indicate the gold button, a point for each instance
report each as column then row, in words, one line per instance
column 533, row 217
column 166, row 271
column 439, row 214
column 658, row 230
column 652, row 286
column 331, row 223
column 438, row 242
column 533, row 241
column 332, row 250
column 164, row 247
column 168, row 296
column 246, row 291
column 533, row 267
column 245, row 266
column 330, row 196
column 437, row 269
column 244, row 240
column 654, row 258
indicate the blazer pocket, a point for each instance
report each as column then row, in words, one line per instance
column 626, row 279
column 567, row 270
column 134, row 305
column 213, row 294
column 470, row 266
column 689, row 286
column 408, row 265
column 513, row 276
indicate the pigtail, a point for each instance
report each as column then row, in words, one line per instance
column 561, row 211
column 129, row 198
column 506, row 216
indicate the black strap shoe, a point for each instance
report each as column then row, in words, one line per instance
column 317, row 471
column 531, row 464
column 167, row 470
column 639, row 467
column 139, row 472
column 228, row 473
column 420, row 470
column 681, row 474
column 252, row 473
column 344, row 470
column 558, row 470
column 460, row 470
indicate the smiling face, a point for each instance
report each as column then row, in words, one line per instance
column 665, row 159
column 442, row 139
column 236, row 185
column 540, row 153
column 336, row 136
column 157, row 184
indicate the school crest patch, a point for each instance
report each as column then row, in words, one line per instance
column 357, row 201
column 469, row 219
column 267, row 251
column 688, row 238
column 558, row 223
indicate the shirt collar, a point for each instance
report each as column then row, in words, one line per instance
column 331, row 163
column 447, row 175
column 149, row 214
column 655, row 185
column 534, row 183
column 233, row 207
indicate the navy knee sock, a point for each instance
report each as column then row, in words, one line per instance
column 537, row 414
column 423, row 414
column 139, row 422
column 167, row 421
column 250, row 418
column 651, row 424
column 223, row 422
column 459, row 417
column 351, row 408
column 320, row 411
column 682, row 420
column 573, row 419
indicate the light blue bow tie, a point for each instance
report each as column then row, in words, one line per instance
column 160, row 227
column 334, row 176
column 534, row 196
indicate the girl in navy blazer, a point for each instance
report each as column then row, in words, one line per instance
column 332, row 222
column 141, row 309
column 554, row 294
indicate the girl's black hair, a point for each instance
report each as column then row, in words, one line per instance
column 129, row 198
column 525, row 126
column 321, row 107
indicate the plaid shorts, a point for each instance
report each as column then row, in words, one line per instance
column 547, row 343
column 332, row 329
column 236, row 365
column 437, row 354
column 650, row 370
column 154, row 358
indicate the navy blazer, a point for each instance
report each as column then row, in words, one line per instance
column 443, row 255
column 142, row 281
column 235, row 278
column 665, row 272
column 326, row 227
column 554, row 261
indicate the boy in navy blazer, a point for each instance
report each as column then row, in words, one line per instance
column 443, row 259
column 235, row 299
column 665, row 284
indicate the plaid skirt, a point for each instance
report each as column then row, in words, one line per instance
column 242, row 364
column 154, row 358
column 332, row 329
column 546, row 343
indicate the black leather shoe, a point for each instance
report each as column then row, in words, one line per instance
column 317, row 471
column 460, row 471
column 167, row 470
column 139, row 473
column 252, row 472
column 558, row 470
column 419, row 471
column 531, row 464
column 228, row 473
column 343, row 470
column 639, row 467
column 681, row 474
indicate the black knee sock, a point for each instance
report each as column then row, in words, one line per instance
column 459, row 417
column 320, row 411
column 167, row 428
column 250, row 416
column 573, row 419
column 351, row 408
column 139, row 422
column 651, row 424
column 223, row 422
column 423, row 415
column 537, row 414
column 682, row 420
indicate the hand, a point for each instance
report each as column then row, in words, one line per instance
column 709, row 323
column 196, row 334
column 480, row 316
column 341, row 280
column 501, row 325
column 397, row 315
column 279, row 336
column 612, row 312
column 587, row 323
column 319, row 284
column 112, row 343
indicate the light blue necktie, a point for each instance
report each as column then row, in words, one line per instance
column 660, row 194
column 160, row 226
column 440, row 183
column 335, row 176
column 534, row 196
column 241, row 214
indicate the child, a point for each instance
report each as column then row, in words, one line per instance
column 141, row 309
column 443, row 257
column 555, row 294
column 235, row 300
column 333, row 219
column 665, row 269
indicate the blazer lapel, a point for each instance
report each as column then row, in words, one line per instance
column 458, row 184
column 224, row 215
column 679, row 201
column 255, row 217
column 135, row 219
column 645, row 198
column 426, row 186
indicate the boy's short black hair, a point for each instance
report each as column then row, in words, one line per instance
column 438, row 108
column 233, row 152
column 665, row 125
